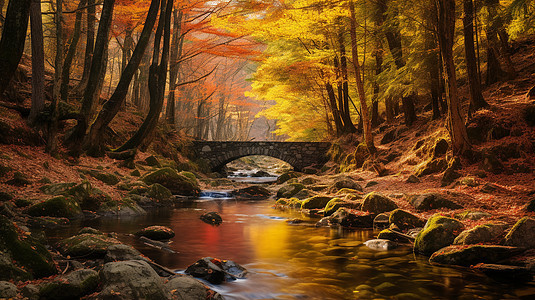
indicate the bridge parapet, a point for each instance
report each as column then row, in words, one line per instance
column 298, row 154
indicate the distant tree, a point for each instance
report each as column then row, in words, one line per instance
column 13, row 39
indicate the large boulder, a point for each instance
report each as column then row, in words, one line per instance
column 377, row 203
column 522, row 234
column 432, row 166
column 345, row 182
column 120, row 252
column 252, row 192
column 287, row 176
column 132, row 279
column 216, row 270
column 289, row 190
column 481, row 234
column 472, row 254
column 60, row 207
column 175, row 182
column 86, row 245
column 316, row 202
column 404, row 220
column 7, row 290
column 107, row 178
column 189, row 288
column 352, row 218
column 157, row 233
column 429, row 201
column 71, row 286
column 335, row 203
column 438, row 232
column 22, row 256
column 160, row 193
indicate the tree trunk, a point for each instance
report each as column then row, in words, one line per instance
column 349, row 127
column 446, row 34
column 71, row 52
column 393, row 37
column 89, row 47
column 111, row 107
column 92, row 92
column 334, row 108
column 366, row 122
column 495, row 71
column 476, row 98
column 378, row 54
column 176, row 53
column 51, row 146
column 38, row 61
column 13, row 39
column 157, row 78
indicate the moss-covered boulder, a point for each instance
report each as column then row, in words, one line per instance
column 176, row 183
column 7, row 290
column 48, row 222
column 290, row 203
column 351, row 218
column 286, row 176
column 121, row 252
column 186, row 287
column 60, row 207
column 56, row 188
column 432, row 166
column 388, row 234
column 345, row 182
column 74, row 285
column 157, row 233
column 472, row 254
column 19, row 179
column 429, row 201
column 316, row 202
column 107, row 178
column 252, row 192
column 159, row 192
column 304, row 194
column 522, row 234
column 289, row 190
column 22, row 256
column 438, row 232
column 309, row 180
column 377, row 203
column 124, row 207
column 472, row 215
column 404, row 220
column 481, row 234
column 333, row 205
column 86, row 245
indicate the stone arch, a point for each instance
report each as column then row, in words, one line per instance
column 219, row 165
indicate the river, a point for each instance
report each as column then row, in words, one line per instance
column 298, row 261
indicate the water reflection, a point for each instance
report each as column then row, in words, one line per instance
column 301, row 262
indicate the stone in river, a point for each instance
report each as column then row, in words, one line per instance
column 212, row 218
column 216, row 270
column 380, row 244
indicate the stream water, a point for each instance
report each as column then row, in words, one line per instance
column 299, row 261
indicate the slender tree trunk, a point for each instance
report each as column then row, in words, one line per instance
column 51, row 146
column 89, row 47
column 94, row 141
column 71, row 52
column 366, row 122
column 92, row 92
column 476, row 98
column 495, row 70
column 13, row 39
column 446, row 35
column 334, row 108
column 378, row 54
column 349, row 127
column 176, row 53
column 157, row 78
column 38, row 61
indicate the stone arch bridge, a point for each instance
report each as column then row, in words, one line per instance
column 298, row 154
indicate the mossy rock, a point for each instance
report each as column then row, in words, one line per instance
column 60, row 206
column 159, row 192
column 74, row 285
column 481, row 234
column 107, row 178
column 332, row 206
column 153, row 161
column 289, row 190
column 346, row 217
column 429, row 201
column 21, row 203
column 304, row 194
column 292, row 202
column 522, row 234
column 79, row 191
column 9, row 271
column 156, row 233
column 345, row 183
column 286, row 176
column 377, row 203
column 309, row 181
column 189, row 175
column 473, row 254
column 48, row 222
column 90, row 230
column 405, row 220
column 388, row 234
column 438, row 232
column 315, row 202
column 212, row 218
column 252, row 192
column 124, row 207
column 19, row 179
column 26, row 253
column 176, row 183
column 432, row 166
column 56, row 188
column 86, row 245
column 472, row 215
